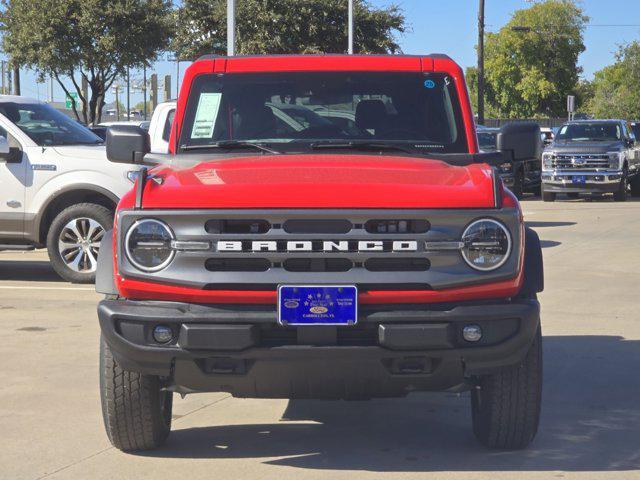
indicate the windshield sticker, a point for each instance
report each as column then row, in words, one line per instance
column 206, row 115
column 429, row 84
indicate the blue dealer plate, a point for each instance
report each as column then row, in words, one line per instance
column 579, row 179
column 315, row 305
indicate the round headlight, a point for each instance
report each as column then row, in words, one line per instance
column 487, row 244
column 148, row 245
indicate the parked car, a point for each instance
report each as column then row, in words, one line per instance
column 58, row 188
column 522, row 176
column 635, row 128
column 160, row 126
column 273, row 262
column 592, row 156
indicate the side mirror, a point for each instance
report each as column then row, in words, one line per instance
column 520, row 141
column 127, row 144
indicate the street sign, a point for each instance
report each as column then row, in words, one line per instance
column 71, row 98
column 571, row 103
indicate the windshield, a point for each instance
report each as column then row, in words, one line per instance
column 590, row 132
column 487, row 141
column 297, row 110
column 46, row 126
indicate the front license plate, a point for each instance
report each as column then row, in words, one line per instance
column 317, row 305
column 579, row 179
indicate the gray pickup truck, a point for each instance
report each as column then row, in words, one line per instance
column 592, row 157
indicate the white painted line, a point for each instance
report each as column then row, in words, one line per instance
column 11, row 287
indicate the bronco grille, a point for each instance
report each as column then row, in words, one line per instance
column 586, row 161
column 261, row 249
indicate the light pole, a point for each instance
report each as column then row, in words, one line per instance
column 350, row 49
column 231, row 28
column 481, row 62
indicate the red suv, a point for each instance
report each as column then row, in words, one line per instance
column 323, row 227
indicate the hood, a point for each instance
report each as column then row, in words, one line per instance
column 321, row 181
column 585, row 147
column 91, row 152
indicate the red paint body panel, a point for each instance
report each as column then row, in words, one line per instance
column 322, row 181
column 137, row 290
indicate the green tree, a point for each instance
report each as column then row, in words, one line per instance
column 94, row 40
column 616, row 88
column 286, row 26
column 531, row 63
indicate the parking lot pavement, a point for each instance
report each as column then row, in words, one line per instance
column 51, row 426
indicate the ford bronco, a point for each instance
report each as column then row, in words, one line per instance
column 277, row 253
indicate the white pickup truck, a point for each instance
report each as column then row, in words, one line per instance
column 57, row 188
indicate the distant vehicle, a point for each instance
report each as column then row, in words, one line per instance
column 519, row 177
column 143, row 124
column 547, row 135
column 160, row 126
column 59, row 191
column 592, row 156
column 99, row 131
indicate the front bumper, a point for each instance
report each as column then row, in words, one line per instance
column 392, row 351
column 562, row 181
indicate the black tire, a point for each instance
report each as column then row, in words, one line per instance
column 548, row 196
column 635, row 185
column 90, row 211
column 518, row 184
column 135, row 409
column 505, row 406
column 621, row 194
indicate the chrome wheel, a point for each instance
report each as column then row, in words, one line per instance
column 79, row 243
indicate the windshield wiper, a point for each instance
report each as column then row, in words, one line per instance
column 365, row 146
column 230, row 145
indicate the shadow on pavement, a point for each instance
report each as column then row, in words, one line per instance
column 590, row 422
column 548, row 224
column 29, row 271
column 549, row 243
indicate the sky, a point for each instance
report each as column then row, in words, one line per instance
column 450, row 26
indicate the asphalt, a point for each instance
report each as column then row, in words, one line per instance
column 51, row 426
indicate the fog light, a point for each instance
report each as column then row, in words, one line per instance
column 472, row 333
column 162, row 334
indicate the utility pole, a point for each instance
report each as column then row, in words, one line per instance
column 4, row 77
column 177, row 79
column 154, row 91
column 116, row 88
column 350, row 49
column 481, row 63
column 231, row 28
column 51, row 89
column 167, row 88
column 128, row 96
column 144, row 89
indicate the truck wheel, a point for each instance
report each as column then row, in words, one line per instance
column 505, row 406
column 548, row 196
column 135, row 409
column 621, row 194
column 635, row 185
column 518, row 185
column 74, row 239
